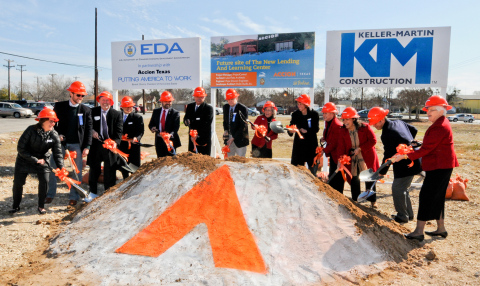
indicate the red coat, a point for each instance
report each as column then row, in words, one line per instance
column 332, row 138
column 437, row 150
column 367, row 139
column 260, row 142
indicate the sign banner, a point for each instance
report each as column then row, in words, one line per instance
column 263, row 61
column 410, row 57
column 156, row 64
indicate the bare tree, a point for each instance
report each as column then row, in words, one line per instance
column 414, row 98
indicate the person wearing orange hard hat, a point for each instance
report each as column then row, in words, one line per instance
column 307, row 122
column 75, row 131
column 262, row 145
column 394, row 133
column 107, row 124
column 33, row 154
column 331, row 134
column 235, row 128
column 165, row 119
column 133, row 129
column 358, row 140
column 199, row 116
column 438, row 160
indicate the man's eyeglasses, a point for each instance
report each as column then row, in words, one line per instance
column 80, row 95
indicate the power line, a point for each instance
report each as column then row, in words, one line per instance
column 60, row 63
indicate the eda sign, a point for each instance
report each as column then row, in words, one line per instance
column 413, row 57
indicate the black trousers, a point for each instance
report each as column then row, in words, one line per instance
column 337, row 182
column 431, row 204
column 355, row 188
column 109, row 171
column 263, row 152
column 19, row 180
column 205, row 150
column 161, row 148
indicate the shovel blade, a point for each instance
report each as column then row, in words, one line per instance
column 277, row 127
column 367, row 175
column 130, row 168
column 90, row 197
column 365, row 195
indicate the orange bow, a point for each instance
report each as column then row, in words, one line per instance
column 125, row 138
column 143, row 155
column 318, row 158
column 166, row 138
column 344, row 160
column 404, row 149
column 225, row 151
column 62, row 174
column 193, row 134
column 260, row 130
column 73, row 155
column 109, row 143
column 293, row 128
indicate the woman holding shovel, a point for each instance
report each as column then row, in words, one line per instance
column 262, row 143
column 438, row 161
column 33, row 154
column 357, row 140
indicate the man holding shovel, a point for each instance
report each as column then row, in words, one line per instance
column 394, row 133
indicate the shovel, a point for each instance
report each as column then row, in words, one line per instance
column 127, row 167
column 87, row 196
column 277, row 127
column 246, row 120
column 370, row 176
column 144, row 145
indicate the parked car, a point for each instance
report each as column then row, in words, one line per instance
column 252, row 111
column 462, row 117
column 218, row 110
column 395, row 115
column 281, row 110
column 14, row 109
column 363, row 114
column 36, row 107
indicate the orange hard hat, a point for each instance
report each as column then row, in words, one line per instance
column 436, row 100
column 47, row 113
column 304, row 98
column 269, row 104
column 199, row 92
column 127, row 101
column 349, row 112
column 166, row 96
column 376, row 114
column 329, row 107
column 107, row 95
column 78, row 88
column 231, row 94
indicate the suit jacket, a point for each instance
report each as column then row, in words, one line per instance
column 237, row 128
column 331, row 136
column 260, row 142
column 134, row 127
column 115, row 127
column 172, row 124
column 437, row 150
column 394, row 133
column 84, row 122
column 200, row 120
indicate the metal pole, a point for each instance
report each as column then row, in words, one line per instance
column 143, row 90
column 38, row 90
column 53, row 74
column 95, row 90
column 21, row 80
column 9, row 67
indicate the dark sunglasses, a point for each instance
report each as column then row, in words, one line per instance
column 80, row 95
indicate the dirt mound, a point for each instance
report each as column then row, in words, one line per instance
column 303, row 232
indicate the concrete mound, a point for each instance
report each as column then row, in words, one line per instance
column 200, row 221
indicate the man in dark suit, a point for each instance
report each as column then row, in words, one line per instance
column 134, row 128
column 394, row 133
column 199, row 116
column 235, row 129
column 107, row 124
column 165, row 119
column 75, row 131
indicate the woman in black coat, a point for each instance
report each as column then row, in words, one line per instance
column 306, row 120
column 133, row 128
column 33, row 156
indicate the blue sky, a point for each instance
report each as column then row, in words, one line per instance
column 63, row 31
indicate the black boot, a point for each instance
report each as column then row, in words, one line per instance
column 14, row 210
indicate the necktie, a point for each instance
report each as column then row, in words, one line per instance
column 230, row 121
column 162, row 121
column 104, row 126
column 196, row 107
column 125, row 117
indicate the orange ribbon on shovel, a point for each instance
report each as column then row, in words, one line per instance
column 73, row 155
column 125, row 138
column 194, row 133
column 166, row 138
column 404, row 149
column 225, row 151
column 260, row 130
column 109, row 143
column 62, row 174
column 293, row 128
column 319, row 152
column 344, row 160
column 143, row 155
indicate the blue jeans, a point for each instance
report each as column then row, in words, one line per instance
column 52, row 184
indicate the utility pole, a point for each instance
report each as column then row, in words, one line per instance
column 38, row 90
column 53, row 74
column 95, row 91
column 361, row 101
column 143, row 90
column 9, row 67
column 21, row 79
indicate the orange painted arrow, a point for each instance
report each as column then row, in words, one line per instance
column 214, row 202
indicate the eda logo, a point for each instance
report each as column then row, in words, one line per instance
column 422, row 47
column 129, row 50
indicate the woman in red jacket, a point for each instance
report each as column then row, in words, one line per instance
column 357, row 140
column 438, row 161
column 262, row 146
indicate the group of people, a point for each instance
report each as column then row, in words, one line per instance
column 84, row 132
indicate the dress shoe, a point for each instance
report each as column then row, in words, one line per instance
column 443, row 234
column 417, row 237
column 14, row 210
column 48, row 200
column 41, row 211
column 72, row 203
column 374, row 205
column 399, row 220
